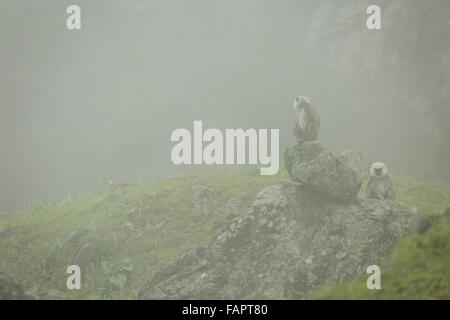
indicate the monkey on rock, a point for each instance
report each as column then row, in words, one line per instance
column 307, row 124
column 379, row 185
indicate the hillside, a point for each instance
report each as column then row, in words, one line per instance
column 123, row 236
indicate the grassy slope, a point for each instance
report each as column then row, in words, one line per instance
column 167, row 221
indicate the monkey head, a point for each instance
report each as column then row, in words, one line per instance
column 299, row 101
column 378, row 169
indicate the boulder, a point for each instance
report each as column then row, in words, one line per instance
column 290, row 241
column 318, row 169
column 355, row 160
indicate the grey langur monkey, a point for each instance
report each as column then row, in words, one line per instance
column 379, row 185
column 307, row 124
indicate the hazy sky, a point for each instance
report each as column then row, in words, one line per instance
column 100, row 103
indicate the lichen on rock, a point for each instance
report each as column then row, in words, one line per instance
column 290, row 241
column 320, row 170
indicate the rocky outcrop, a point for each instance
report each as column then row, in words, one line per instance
column 290, row 241
column 318, row 169
column 294, row 238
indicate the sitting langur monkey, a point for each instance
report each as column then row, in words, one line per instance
column 307, row 124
column 379, row 185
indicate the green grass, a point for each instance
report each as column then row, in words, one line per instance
column 135, row 230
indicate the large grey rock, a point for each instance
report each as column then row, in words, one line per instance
column 320, row 170
column 290, row 241
column 355, row 160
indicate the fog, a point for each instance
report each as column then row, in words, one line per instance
column 101, row 102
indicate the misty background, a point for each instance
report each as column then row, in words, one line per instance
column 101, row 103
